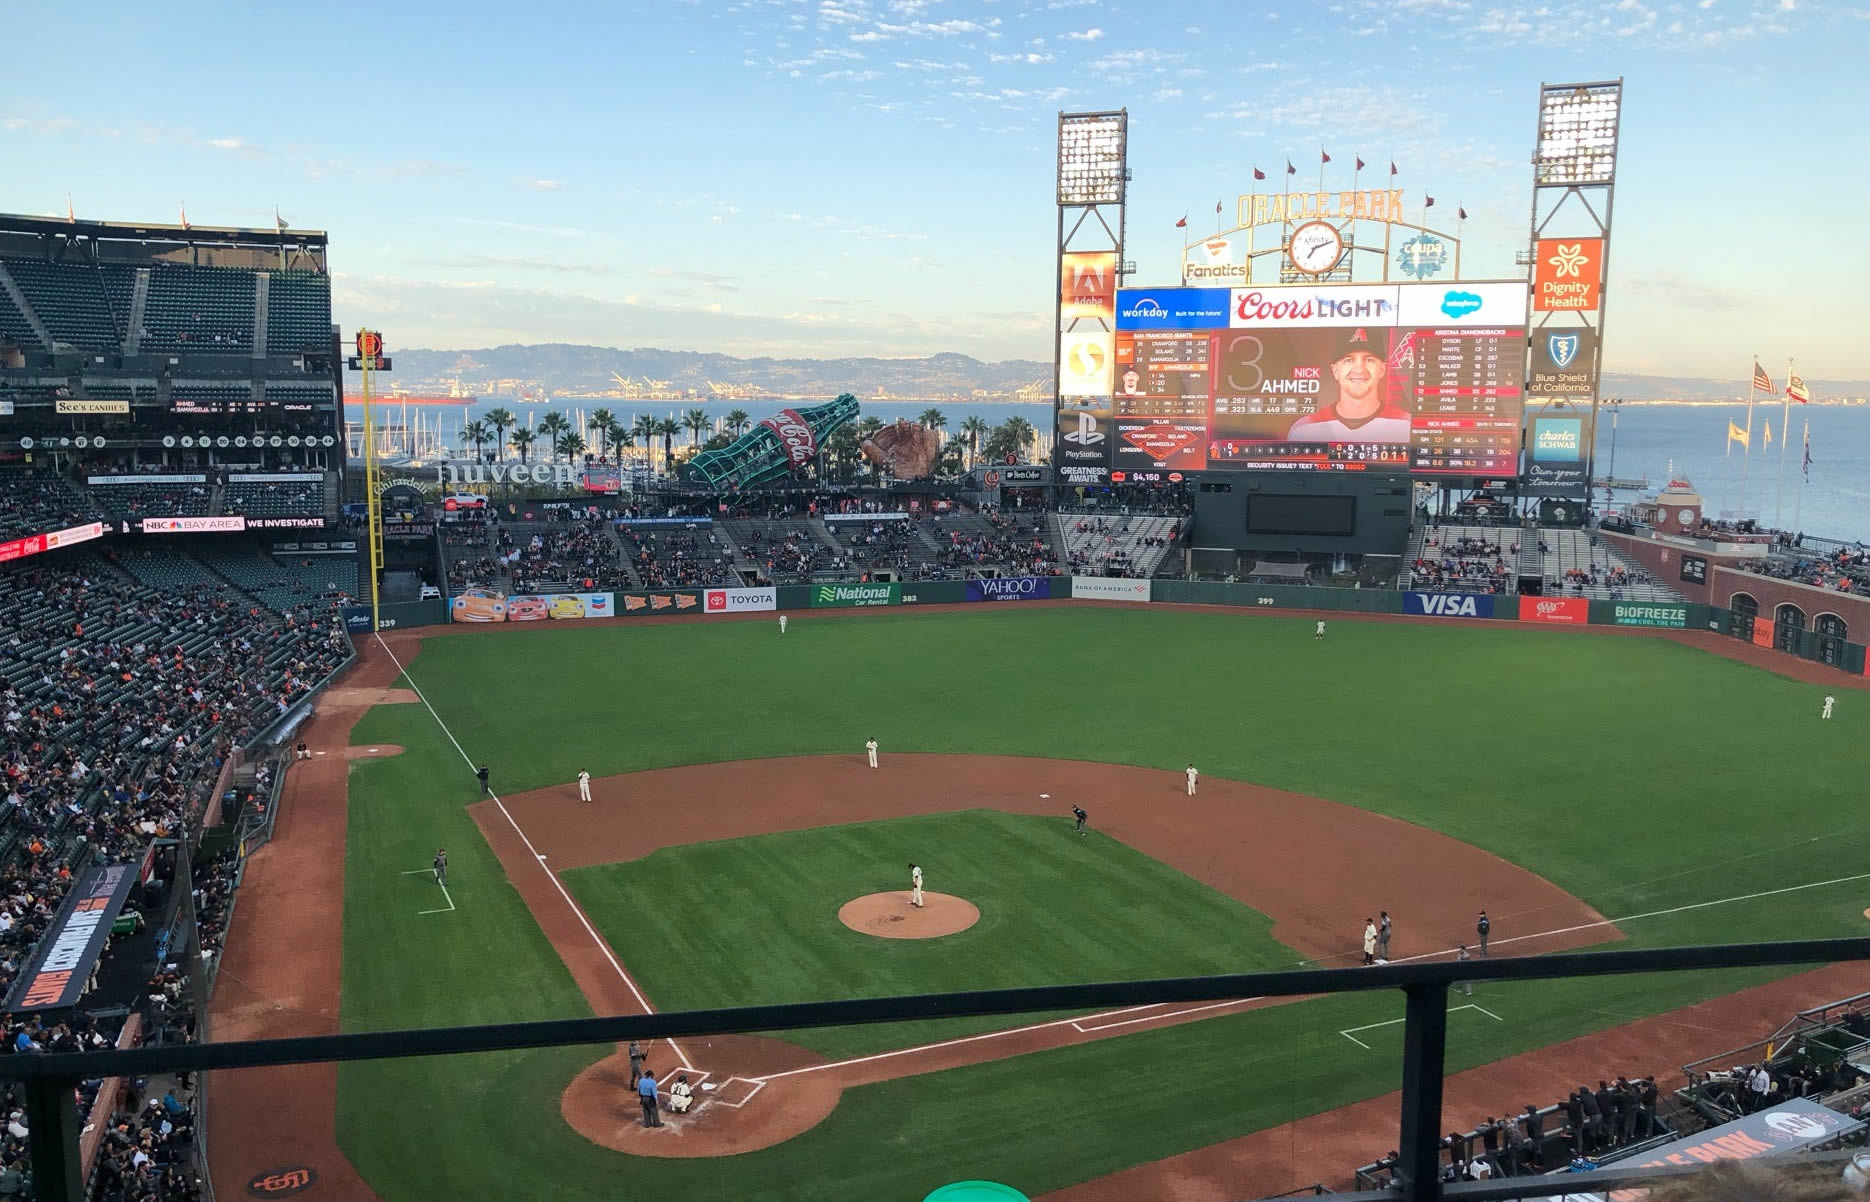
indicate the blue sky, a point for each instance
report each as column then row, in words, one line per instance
column 833, row 177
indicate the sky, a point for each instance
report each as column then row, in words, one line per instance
column 821, row 178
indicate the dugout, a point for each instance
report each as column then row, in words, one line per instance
column 1327, row 525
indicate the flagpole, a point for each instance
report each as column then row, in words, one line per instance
column 1785, row 425
column 1805, row 473
column 1746, row 449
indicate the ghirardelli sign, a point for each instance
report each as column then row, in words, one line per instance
column 562, row 475
column 795, row 434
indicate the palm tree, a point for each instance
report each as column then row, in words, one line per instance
column 601, row 422
column 667, row 428
column 973, row 428
column 619, row 436
column 840, row 451
column 552, row 427
column 477, row 432
column 737, row 421
column 1020, row 434
column 934, row 419
column 522, row 442
column 696, row 421
column 500, row 419
column 570, row 444
column 648, row 429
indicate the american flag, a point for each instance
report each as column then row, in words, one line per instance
column 1761, row 381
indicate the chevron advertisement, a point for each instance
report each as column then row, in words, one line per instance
column 1449, row 605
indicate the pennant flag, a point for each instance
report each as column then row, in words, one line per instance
column 1428, row 202
column 1217, row 208
column 1460, row 213
column 278, row 221
column 184, row 214
column 1183, row 222
column 1290, row 169
column 1761, row 381
column 1258, row 174
column 1360, row 163
column 1392, row 168
column 1736, row 434
column 71, row 214
column 1795, row 388
column 1323, row 158
column 1808, row 449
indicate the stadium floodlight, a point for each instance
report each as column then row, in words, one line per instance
column 1578, row 134
column 1091, row 158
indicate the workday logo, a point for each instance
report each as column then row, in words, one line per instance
column 1562, row 349
column 1147, row 307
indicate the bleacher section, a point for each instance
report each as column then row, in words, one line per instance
column 159, row 566
column 145, row 499
column 14, row 327
column 298, row 312
column 1576, row 564
column 36, row 500
column 1464, row 559
column 120, row 290
column 282, row 581
column 198, row 309
column 275, row 498
column 785, row 550
column 1129, row 545
column 70, row 299
column 671, row 557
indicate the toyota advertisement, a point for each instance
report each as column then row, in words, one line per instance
column 740, row 600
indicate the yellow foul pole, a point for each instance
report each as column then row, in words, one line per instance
column 368, row 345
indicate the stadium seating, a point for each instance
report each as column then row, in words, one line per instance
column 1577, row 564
column 559, row 557
column 1464, row 559
column 34, row 500
column 298, row 312
column 70, row 299
column 1846, row 569
column 785, row 550
column 671, row 557
column 198, row 309
column 144, row 499
column 14, row 327
column 275, row 498
column 158, row 565
column 120, row 290
column 1116, row 545
column 281, row 581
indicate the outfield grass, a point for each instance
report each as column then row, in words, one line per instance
column 1056, row 908
column 1639, row 774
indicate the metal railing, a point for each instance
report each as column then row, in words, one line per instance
column 53, row 1123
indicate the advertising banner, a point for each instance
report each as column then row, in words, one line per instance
column 681, row 601
column 193, row 525
column 895, row 516
column 539, row 607
column 1555, row 456
column 1762, row 630
column 275, row 477
column 1087, row 285
column 1449, row 605
column 683, row 521
column 60, row 967
column 196, row 478
column 1695, row 569
column 845, row 596
column 1564, row 362
column 1563, row 610
column 1010, row 588
column 74, row 534
column 1173, row 308
column 80, row 407
column 305, row 523
column 356, row 618
column 1316, row 307
column 1502, row 305
column 1212, row 262
column 1084, row 428
column 1024, row 477
column 1104, row 588
column 1793, row 1124
column 1567, row 274
column 1631, row 613
column 1084, row 364
column 740, row 600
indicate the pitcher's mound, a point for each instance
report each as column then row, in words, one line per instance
column 890, row 916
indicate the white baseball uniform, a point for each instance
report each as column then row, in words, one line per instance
column 915, row 886
column 782, row 623
column 871, row 748
column 584, row 786
column 1192, row 777
column 1321, row 631
column 1829, row 702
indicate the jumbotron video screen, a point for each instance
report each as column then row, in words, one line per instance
column 1418, row 379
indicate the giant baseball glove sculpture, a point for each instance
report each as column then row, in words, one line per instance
column 906, row 449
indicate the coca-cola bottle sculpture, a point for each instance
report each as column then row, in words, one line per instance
column 776, row 447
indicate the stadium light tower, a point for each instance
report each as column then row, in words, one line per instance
column 369, row 360
column 1574, row 175
column 1093, row 184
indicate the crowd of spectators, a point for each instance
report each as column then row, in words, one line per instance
column 1101, row 546
column 275, row 498
column 1845, row 570
column 1463, row 565
column 678, row 558
column 35, row 500
column 1013, row 542
column 786, row 552
column 879, row 544
column 579, row 555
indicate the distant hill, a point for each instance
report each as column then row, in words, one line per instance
column 561, row 368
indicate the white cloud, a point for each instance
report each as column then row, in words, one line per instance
column 1168, row 93
column 870, row 35
column 1088, row 35
column 543, row 185
column 1028, row 57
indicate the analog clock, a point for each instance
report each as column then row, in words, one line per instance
column 1315, row 247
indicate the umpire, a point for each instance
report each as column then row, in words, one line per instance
column 481, row 775
column 441, row 867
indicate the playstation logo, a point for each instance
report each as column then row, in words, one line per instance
column 1562, row 349
column 1087, row 434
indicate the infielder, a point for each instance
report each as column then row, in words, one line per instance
column 915, row 885
column 870, row 748
column 1320, row 633
column 1483, row 928
column 1383, row 935
column 782, row 623
column 1829, row 702
column 1193, row 776
column 441, row 867
column 1079, row 817
column 584, row 785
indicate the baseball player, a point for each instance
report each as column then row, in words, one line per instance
column 584, row 785
column 1829, row 702
column 1320, row 632
column 1079, row 817
column 480, row 774
column 870, row 749
column 915, row 885
column 782, row 623
column 1482, row 928
column 1370, row 941
column 1193, row 776
column 441, row 867
column 1383, row 935
column 1467, row 987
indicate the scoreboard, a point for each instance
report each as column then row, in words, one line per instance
column 1468, row 385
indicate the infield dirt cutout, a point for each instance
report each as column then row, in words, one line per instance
column 890, row 916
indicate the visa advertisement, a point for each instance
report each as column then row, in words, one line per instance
column 1449, row 605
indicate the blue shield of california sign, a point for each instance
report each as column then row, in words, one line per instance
column 1562, row 348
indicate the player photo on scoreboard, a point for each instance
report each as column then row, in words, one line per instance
column 1291, row 395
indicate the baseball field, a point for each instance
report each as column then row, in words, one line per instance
column 1587, row 789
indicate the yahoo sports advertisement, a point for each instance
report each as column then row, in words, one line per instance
column 1010, row 588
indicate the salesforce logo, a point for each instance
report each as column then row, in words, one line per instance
column 1460, row 304
column 1147, row 307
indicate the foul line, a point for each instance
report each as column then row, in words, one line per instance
column 449, row 909
column 1092, row 1024
column 576, row 910
column 1390, row 1022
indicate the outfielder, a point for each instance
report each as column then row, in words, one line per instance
column 584, row 785
column 915, row 885
column 1829, row 702
column 782, row 623
column 870, row 748
column 1320, row 633
column 1193, row 776
column 1079, row 817
column 441, row 867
